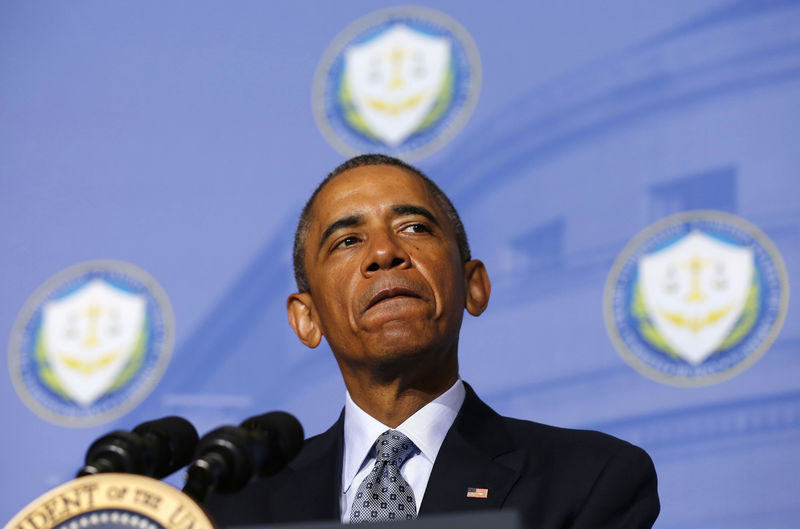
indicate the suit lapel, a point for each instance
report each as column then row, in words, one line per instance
column 476, row 453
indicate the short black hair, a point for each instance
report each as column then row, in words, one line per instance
column 301, row 233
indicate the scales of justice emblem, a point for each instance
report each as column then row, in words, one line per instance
column 91, row 343
column 696, row 298
column 90, row 336
column 401, row 80
column 395, row 79
column 694, row 292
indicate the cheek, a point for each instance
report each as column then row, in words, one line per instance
column 445, row 277
column 337, row 300
column 334, row 301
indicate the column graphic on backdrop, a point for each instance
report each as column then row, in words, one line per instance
column 402, row 81
column 91, row 343
column 696, row 298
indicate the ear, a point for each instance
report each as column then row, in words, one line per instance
column 300, row 307
column 478, row 287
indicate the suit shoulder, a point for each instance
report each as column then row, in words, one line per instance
column 594, row 473
column 277, row 498
column 573, row 443
column 314, row 446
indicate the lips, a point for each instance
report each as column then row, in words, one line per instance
column 389, row 293
column 395, row 288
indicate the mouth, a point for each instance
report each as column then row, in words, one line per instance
column 385, row 294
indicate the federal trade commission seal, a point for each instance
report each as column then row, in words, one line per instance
column 91, row 343
column 112, row 501
column 400, row 81
column 696, row 298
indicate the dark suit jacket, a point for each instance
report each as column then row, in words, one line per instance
column 554, row 477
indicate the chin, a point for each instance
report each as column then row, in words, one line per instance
column 402, row 346
column 398, row 350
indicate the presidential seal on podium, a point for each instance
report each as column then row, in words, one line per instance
column 112, row 501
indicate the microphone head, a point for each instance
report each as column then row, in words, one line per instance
column 154, row 448
column 117, row 451
column 177, row 439
column 285, row 435
column 228, row 458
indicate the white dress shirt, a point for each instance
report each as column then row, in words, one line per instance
column 426, row 428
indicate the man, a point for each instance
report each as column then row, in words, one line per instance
column 384, row 272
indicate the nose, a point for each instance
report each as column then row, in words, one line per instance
column 384, row 252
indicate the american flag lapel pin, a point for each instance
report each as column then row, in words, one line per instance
column 473, row 492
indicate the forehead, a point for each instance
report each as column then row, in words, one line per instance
column 370, row 189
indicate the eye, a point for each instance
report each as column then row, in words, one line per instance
column 416, row 228
column 350, row 240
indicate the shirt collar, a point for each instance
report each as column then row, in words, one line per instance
column 426, row 428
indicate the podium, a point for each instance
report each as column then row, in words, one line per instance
column 470, row 520
column 127, row 501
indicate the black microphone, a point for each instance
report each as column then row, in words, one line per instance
column 229, row 457
column 154, row 448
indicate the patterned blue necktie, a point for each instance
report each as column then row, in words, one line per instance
column 384, row 495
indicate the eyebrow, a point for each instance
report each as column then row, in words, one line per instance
column 354, row 220
column 410, row 209
column 344, row 222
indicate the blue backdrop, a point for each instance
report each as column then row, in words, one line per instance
column 179, row 136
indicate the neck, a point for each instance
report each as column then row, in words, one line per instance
column 392, row 400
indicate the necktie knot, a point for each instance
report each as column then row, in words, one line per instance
column 393, row 447
column 385, row 495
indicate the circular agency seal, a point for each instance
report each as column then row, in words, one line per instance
column 696, row 298
column 402, row 81
column 112, row 501
column 91, row 343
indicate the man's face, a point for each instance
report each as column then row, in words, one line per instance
column 386, row 277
